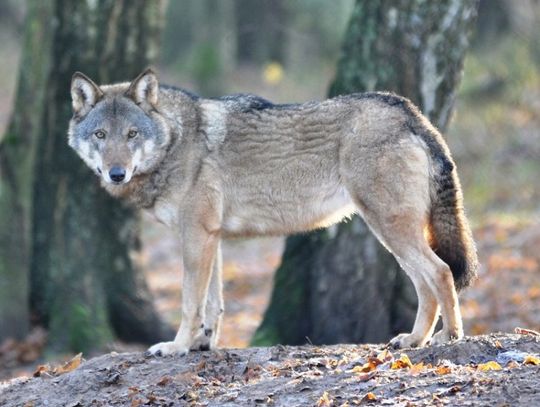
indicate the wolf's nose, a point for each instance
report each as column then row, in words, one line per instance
column 117, row 174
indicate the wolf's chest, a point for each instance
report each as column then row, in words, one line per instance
column 166, row 212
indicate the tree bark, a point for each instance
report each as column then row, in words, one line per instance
column 17, row 151
column 351, row 288
column 73, row 240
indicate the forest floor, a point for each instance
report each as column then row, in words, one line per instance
column 490, row 370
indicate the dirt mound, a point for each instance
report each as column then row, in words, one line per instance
column 497, row 369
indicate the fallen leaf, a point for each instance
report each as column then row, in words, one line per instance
column 498, row 345
column 402, row 363
column 385, row 356
column 366, row 367
column 42, row 369
column 442, row 370
column 512, row 364
column 325, row 400
column 369, row 397
column 418, row 368
column 364, row 377
column 531, row 360
column 164, row 381
column 523, row 331
column 70, row 365
column 491, row 365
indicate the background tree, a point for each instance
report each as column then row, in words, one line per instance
column 341, row 285
column 17, row 150
column 263, row 38
column 71, row 239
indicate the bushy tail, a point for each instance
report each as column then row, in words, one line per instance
column 450, row 234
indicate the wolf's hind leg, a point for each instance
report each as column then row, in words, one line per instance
column 393, row 195
column 426, row 316
column 209, row 335
column 432, row 278
column 403, row 237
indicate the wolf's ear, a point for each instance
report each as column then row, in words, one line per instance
column 144, row 88
column 84, row 94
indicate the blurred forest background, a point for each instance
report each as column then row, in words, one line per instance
column 287, row 51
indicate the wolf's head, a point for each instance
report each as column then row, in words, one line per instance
column 117, row 129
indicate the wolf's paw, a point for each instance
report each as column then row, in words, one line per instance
column 406, row 341
column 167, row 348
column 203, row 341
column 444, row 336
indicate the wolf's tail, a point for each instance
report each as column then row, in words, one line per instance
column 449, row 231
column 450, row 234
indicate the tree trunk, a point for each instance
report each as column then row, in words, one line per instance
column 351, row 288
column 77, row 247
column 261, row 31
column 213, row 54
column 17, row 151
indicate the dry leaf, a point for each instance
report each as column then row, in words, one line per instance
column 69, row 366
column 417, row 369
column 325, row 400
column 523, row 331
column 385, row 356
column 512, row 364
column 491, row 365
column 366, row 367
column 531, row 360
column 364, row 377
column 369, row 397
column 164, row 381
column 442, row 370
column 402, row 362
column 498, row 345
column 42, row 369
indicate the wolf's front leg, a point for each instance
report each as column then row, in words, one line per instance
column 208, row 337
column 200, row 247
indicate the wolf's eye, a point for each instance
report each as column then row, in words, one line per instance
column 99, row 134
column 132, row 133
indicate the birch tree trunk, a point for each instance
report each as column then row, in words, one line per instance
column 76, row 241
column 340, row 285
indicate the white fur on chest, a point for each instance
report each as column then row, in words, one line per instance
column 166, row 212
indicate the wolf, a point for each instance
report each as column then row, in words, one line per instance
column 240, row 166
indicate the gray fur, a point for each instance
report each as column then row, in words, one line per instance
column 241, row 166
